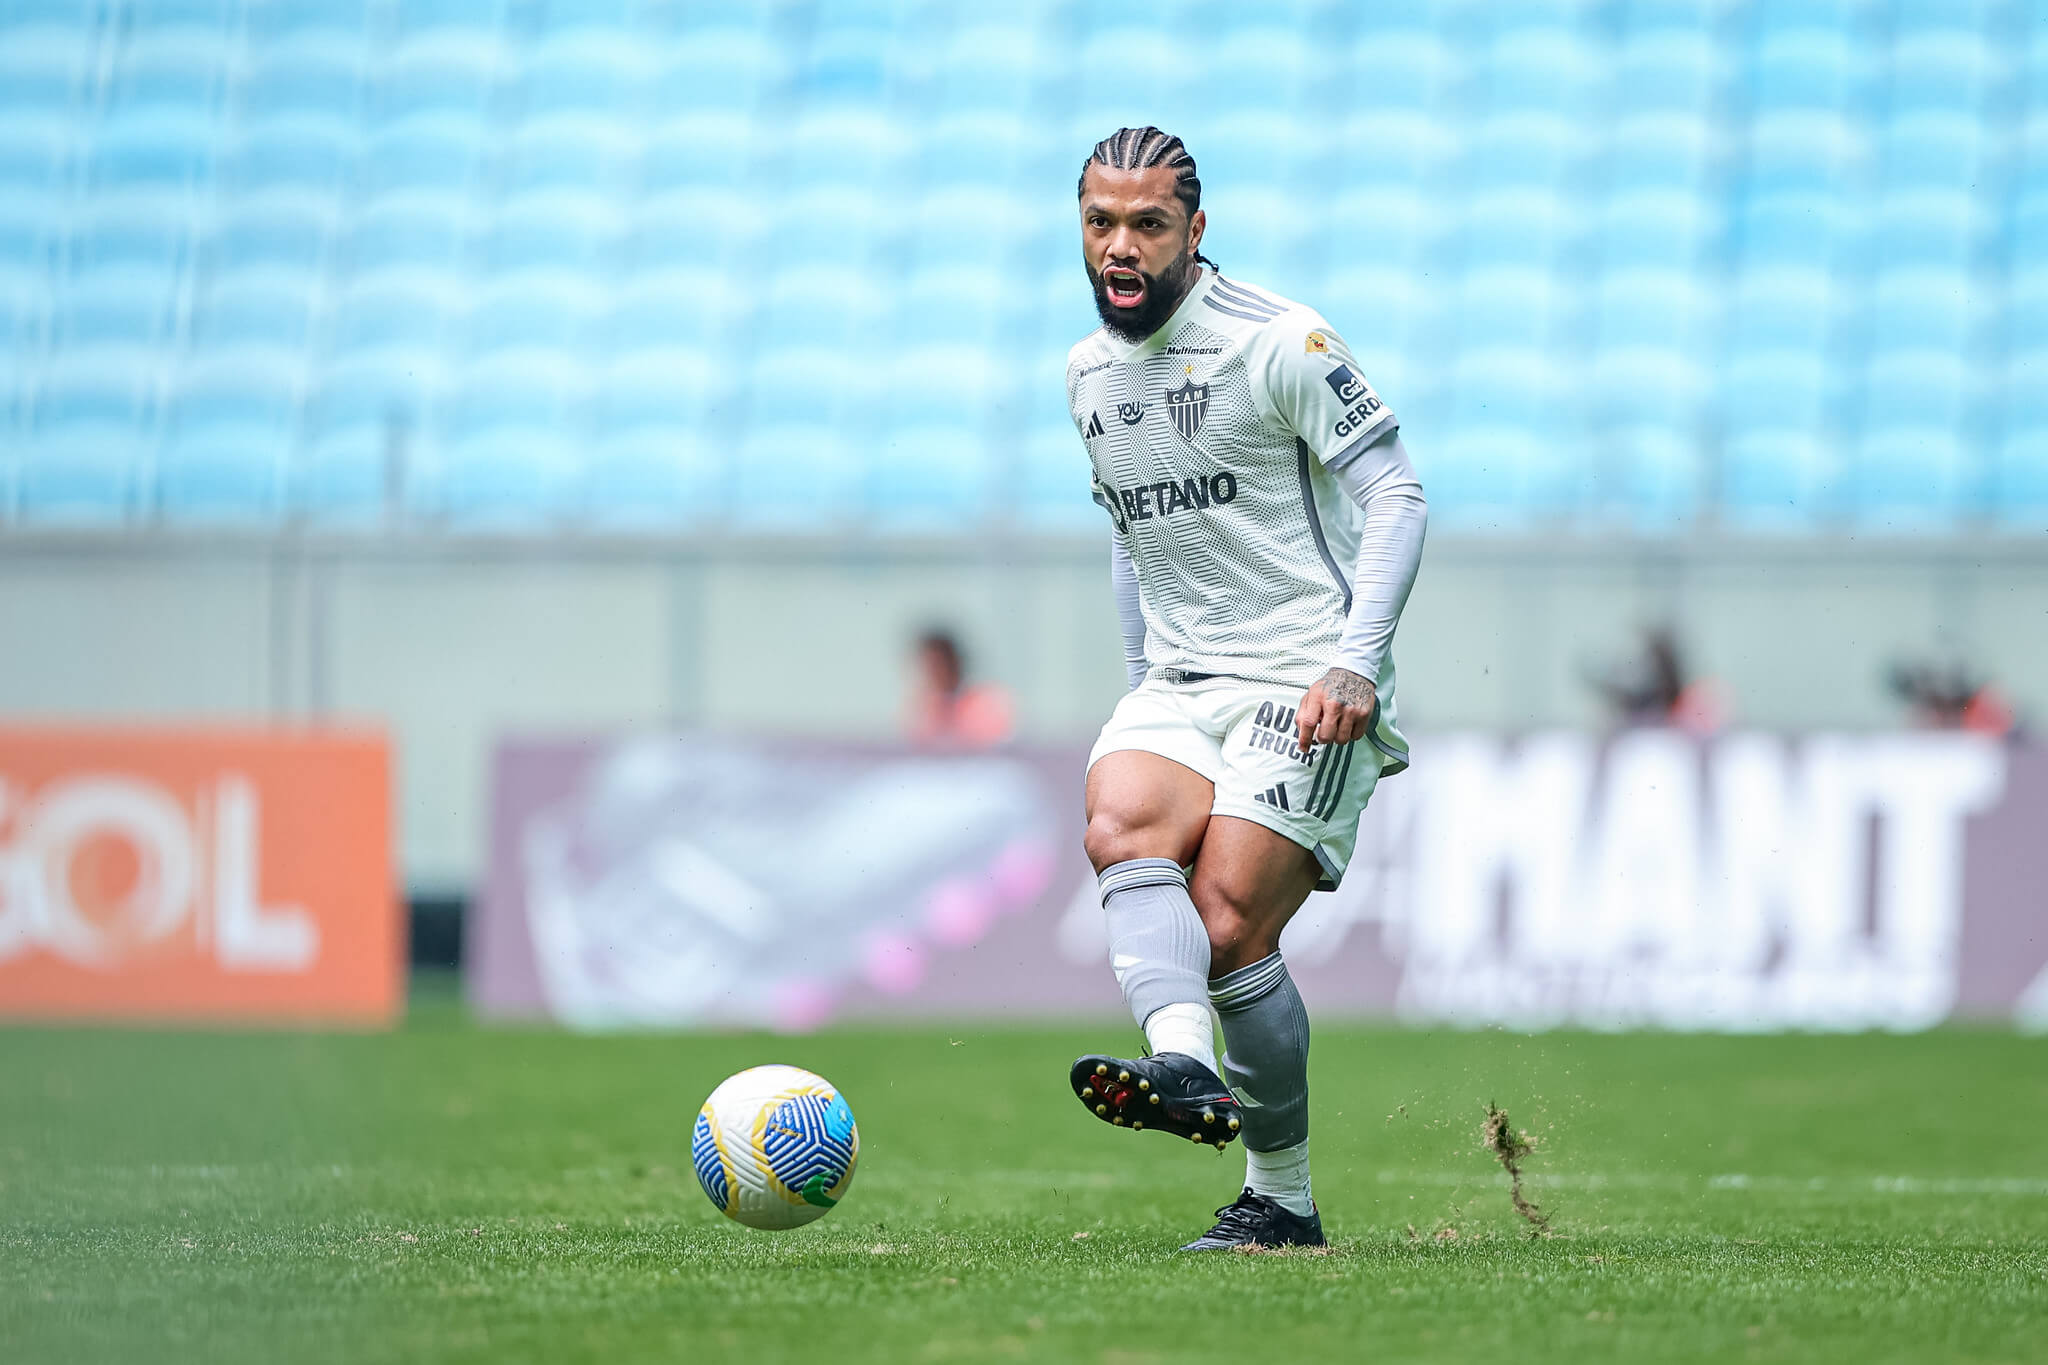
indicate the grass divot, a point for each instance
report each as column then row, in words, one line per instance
column 1511, row 1149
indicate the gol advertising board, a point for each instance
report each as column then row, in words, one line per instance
column 212, row 875
column 1641, row 880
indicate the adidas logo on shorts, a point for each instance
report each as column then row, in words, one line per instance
column 1274, row 796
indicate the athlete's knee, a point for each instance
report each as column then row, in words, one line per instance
column 1111, row 838
column 1240, row 930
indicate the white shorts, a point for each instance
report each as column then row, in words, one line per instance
column 1240, row 735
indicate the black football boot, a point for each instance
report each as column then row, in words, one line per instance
column 1171, row 1092
column 1256, row 1222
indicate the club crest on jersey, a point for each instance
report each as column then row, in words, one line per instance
column 1187, row 406
column 1130, row 412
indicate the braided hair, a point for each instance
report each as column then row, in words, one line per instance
column 1139, row 149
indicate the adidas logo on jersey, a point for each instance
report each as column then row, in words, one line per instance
column 1274, row 796
column 1094, row 427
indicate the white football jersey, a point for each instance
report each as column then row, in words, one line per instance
column 1213, row 441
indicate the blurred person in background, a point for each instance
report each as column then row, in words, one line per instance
column 1653, row 688
column 1953, row 697
column 945, row 710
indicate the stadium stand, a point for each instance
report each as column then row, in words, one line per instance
column 809, row 266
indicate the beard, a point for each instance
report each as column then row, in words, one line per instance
column 1163, row 293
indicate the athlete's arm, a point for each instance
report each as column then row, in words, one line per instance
column 1123, row 581
column 1382, row 482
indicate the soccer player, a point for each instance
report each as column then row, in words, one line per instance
column 1265, row 531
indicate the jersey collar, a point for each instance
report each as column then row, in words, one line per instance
column 1152, row 345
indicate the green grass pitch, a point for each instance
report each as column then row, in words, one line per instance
column 449, row 1193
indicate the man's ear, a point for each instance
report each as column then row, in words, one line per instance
column 1196, row 226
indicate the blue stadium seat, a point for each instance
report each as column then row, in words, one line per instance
column 178, row 75
column 656, row 393
column 1525, row 308
column 1670, row 71
column 152, row 151
column 1151, row 66
column 1779, row 390
column 1945, row 69
column 654, row 479
column 1922, row 387
column 553, row 232
column 1246, row 148
column 1778, row 479
column 1666, row 309
column 1527, row 228
column 435, row 154
column 1806, row 69
column 1932, row 309
column 232, row 428
column 2027, row 227
column 411, row 232
column 45, row 72
column 376, row 389
column 848, row 69
column 319, row 78
column 1790, row 308
column 146, row 231
column 1535, row 151
column 1263, row 234
column 1652, row 476
column 1933, row 151
column 35, row 154
column 398, row 310
column 285, row 232
column 450, row 21
column 1647, row 386
column 265, row 307
column 945, row 383
column 570, row 153
column 1910, row 479
column 1054, row 483
column 436, row 78
column 1548, row 71
column 1806, row 153
column 1386, row 228
column 83, row 458
column 931, row 477
column 536, row 311
column 216, row 16
column 1401, row 71
column 850, row 150
column 967, row 223
column 1408, row 149
column 977, row 147
column 607, row 18
column 721, row 70
column 994, row 69
column 587, row 74
column 1667, row 151
column 675, row 309
column 122, row 306
column 796, row 475
column 1931, row 229
column 692, row 230
column 804, row 383
column 1266, row 70
column 29, row 232
column 703, row 151
column 1659, row 229
column 1797, row 231
column 1489, row 477
column 298, row 155
column 2019, row 481
column 285, row 20
column 843, row 226
column 347, row 476
column 970, row 309
column 2026, row 316
column 506, row 456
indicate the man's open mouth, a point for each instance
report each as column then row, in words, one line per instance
column 1126, row 288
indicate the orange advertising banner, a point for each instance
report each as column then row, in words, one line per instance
column 201, row 874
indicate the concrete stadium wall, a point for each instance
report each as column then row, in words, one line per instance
column 449, row 643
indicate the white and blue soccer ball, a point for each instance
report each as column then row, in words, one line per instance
column 775, row 1147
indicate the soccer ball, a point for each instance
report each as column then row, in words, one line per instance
column 775, row 1147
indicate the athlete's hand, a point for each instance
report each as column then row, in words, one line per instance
column 1336, row 710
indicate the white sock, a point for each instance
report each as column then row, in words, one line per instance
column 1282, row 1177
column 1184, row 1028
